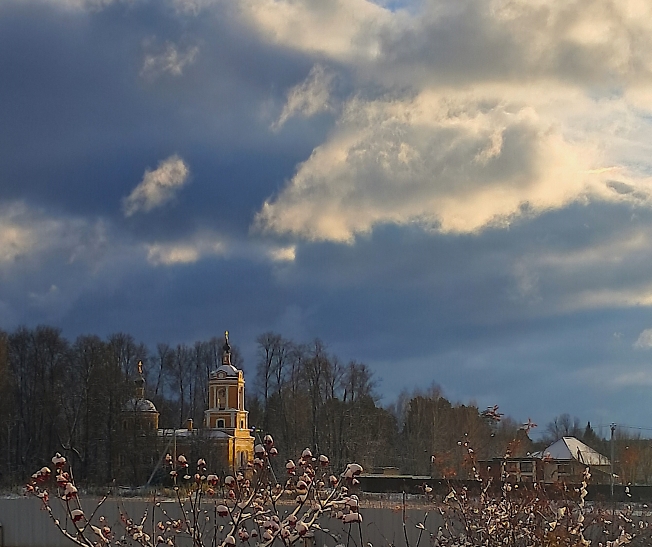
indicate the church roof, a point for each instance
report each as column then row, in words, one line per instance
column 229, row 370
column 140, row 405
column 570, row 448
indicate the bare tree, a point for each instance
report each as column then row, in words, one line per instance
column 563, row 426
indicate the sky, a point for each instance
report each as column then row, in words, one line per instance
column 451, row 191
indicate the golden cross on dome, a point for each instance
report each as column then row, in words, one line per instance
column 140, row 367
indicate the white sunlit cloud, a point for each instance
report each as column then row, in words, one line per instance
column 452, row 163
column 204, row 245
column 171, row 60
column 15, row 241
column 340, row 29
column 27, row 234
column 185, row 252
column 282, row 254
column 158, row 187
column 644, row 340
column 465, row 145
column 598, row 41
column 308, row 98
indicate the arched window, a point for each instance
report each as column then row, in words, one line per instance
column 220, row 423
column 221, row 399
column 241, row 424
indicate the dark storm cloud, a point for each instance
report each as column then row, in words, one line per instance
column 455, row 310
column 74, row 97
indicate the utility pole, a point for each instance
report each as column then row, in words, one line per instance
column 613, row 428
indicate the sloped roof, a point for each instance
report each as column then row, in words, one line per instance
column 570, row 448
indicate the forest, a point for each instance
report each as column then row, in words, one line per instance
column 58, row 395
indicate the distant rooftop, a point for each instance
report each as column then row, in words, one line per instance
column 570, row 448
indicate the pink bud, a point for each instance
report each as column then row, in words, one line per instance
column 77, row 515
column 222, row 510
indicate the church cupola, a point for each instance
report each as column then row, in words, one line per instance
column 138, row 412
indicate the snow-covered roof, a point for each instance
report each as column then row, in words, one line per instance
column 140, row 405
column 570, row 448
column 228, row 370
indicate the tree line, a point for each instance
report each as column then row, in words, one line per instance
column 63, row 396
column 58, row 395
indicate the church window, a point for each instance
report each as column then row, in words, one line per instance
column 221, row 399
column 220, row 423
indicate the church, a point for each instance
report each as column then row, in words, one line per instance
column 224, row 441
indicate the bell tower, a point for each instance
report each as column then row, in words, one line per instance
column 226, row 419
column 226, row 397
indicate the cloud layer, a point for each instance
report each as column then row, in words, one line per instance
column 503, row 109
column 445, row 189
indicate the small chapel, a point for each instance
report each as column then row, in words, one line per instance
column 224, row 440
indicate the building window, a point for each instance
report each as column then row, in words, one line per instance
column 527, row 467
column 564, row 469
column 221, row 399
column 220, row 423
column 241, row 424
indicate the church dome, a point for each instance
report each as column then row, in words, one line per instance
column 140, row 405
